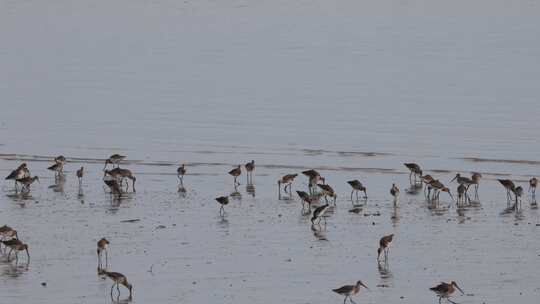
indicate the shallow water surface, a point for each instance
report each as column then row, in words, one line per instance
column 351, row 88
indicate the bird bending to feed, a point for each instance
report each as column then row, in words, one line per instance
column 318, row 214
column 118, row 279
column 27, row 181
column 306, row 198
column 349, row 290
column 509, row 186
column 415, row 170
column 120, row 175
column 102, row 247
column 16, row 245
column 286, row 180
column 313, row 177
column 394, row 191
column 80, row 174
column 58, row 168
column 249, row 171
column 114, row 159
column 21, row 172
column 328, row 191
column 384, row 244
column 223, row 201
column 235, row 173
column 445, row 290
column 181, row 171
column 518, row 192
column 356, row 187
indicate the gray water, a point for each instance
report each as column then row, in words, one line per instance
column 353, row 88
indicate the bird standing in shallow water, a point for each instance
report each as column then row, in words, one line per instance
column 286, row 180
column 318, row 214
column 510, row 187
column 475, row 177
column 533, row 183
column 21, row 172
column 313, row 177
column 26, row 182
column 235, row 173
column 249, row 171
column 415, row 170
column 518, row 192
column 462, row 194
column 394, row 191
column 328, row 191
column 181, row 171
column 445, row 290
column 118, row 279
column 356, row 187
column 102, row 247
column 80, row 174
column 223, row 201
column 120, row 175
column 349, row 290
column 384, row 244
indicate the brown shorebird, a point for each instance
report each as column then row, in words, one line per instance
column 518, row 192
column 394, row 191
column 21, row 172
column 80, row 174
column 349, row 290
column 114, row 159
column 415, row 170
column 120, row 175
column 384, row 244
column 328, row 191
column 223, row 201
column 438, row 188
column 509, row 186
column 462, row 194
column 16, row 245
column 427, row 179
column 313, row 177
column 286, row 180
column 118, row 279
column 249, row 171
column 533, row 183
column 476, row 177
column 356, row 187
column 318, row 214
column 306, row 198
column 462, row 180
column 235, row 173
column 181, row 171
column 102, row 247
column 445, row 290
column 26, row 182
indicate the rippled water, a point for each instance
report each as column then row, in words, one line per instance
column 352, row 88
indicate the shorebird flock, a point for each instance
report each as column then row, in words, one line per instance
column 319, row 200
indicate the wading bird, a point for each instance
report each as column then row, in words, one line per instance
column 328, row 191
column 318, row 214
column 509, row 186
column 181, row 171
column 394, row 191
column 235, row 173
column 445, row 290
column 313, row 177
column 120, row 175
column 533, row 183
column 101, row 248
column 80, row 174
column 286, row 180
column 249, row 171
column 26, row 182
column 462, row 194
column 223, row 201
column 356, row 187
column 21, row 172
column 415, row 170
column 476, row 177
column 118, row 279
column 384, row 246
column 349, row 290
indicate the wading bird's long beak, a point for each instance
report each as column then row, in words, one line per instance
column 453, row 179
column 459, row 289
column 28, row 254
column 450, row 193
column 365, row 286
